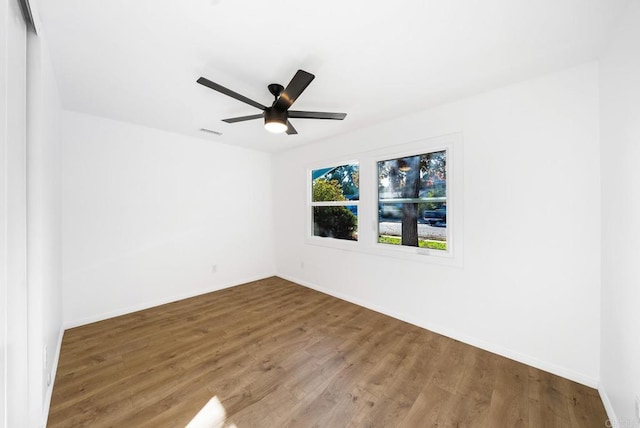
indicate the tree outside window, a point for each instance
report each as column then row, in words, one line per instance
column 412, row 201
column 334, row 203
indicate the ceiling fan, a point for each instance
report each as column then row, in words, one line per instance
column 276, row 117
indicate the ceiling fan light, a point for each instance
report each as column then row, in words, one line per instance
column 275, row 126
column 275, row 121
column 403, row 165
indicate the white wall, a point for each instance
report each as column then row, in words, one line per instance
column 31, row 306
column 13, row 209
column 3, row 211
column 146, row 214
column 530, row 285
column 620, row 139
column 43, row 227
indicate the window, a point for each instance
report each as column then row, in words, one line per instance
column 335, row 195
column 412, row 201
column 401, row 201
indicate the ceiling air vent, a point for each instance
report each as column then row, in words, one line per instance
column 210, row 131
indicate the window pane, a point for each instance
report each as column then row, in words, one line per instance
column 340, row 183
column 418, row 185
column 336, row 222
column 433, row 175
column 419, row 176
column 430, row 234
column 399, row 178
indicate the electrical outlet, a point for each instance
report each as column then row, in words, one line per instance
column 301, row 265
column 214, row 268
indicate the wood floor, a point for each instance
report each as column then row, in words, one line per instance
column 277, row 354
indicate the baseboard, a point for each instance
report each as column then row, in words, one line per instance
column 611, row 414
column 112, row 314
column 54, row 371
column 496, row 349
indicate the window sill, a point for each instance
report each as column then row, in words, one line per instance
column 413, row 254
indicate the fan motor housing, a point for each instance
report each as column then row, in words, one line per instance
column 274, row 115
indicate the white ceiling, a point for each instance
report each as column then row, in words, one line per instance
column 138, row 60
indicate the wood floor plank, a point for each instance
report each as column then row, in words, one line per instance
column 449, row 372
column 277, row 354
column 510, row 397
column 432, row 408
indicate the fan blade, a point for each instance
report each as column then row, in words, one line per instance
column 316, row 115
column 290, row 129
column 243, row 118
column 293, row 90
column 209, row 84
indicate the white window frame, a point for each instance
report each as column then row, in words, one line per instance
column 368, row 202
column 327, row 241
column 404, row 249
